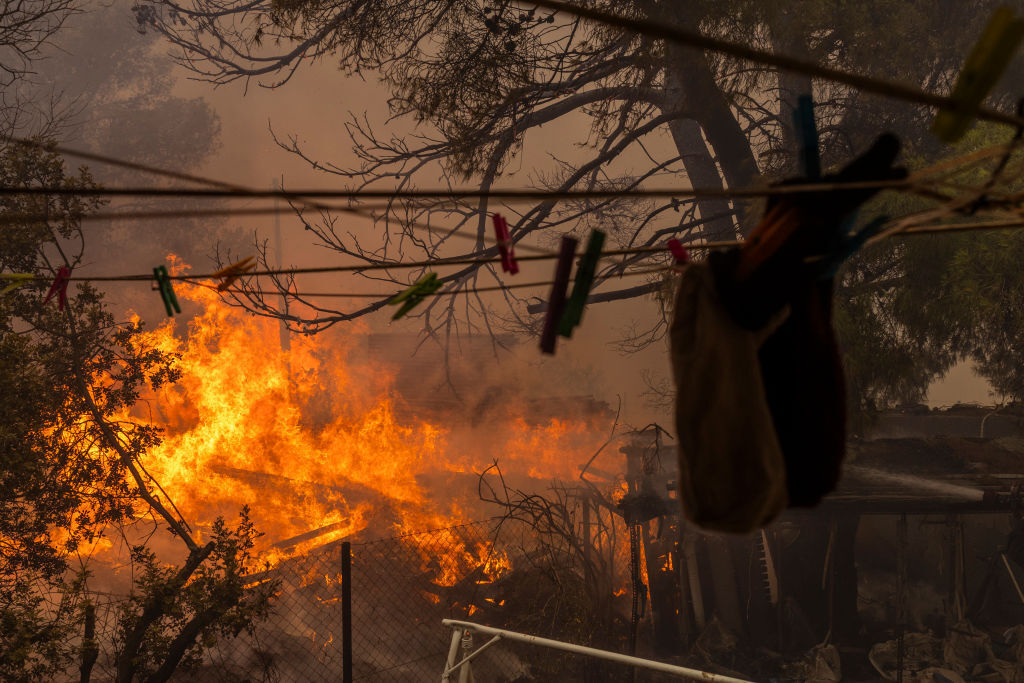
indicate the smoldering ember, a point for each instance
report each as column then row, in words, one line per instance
column 563, row 340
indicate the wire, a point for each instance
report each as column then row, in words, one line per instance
column 682, row 36
column 1012, row 223
column 380, row 266
column 508, row 195
column 377, row 295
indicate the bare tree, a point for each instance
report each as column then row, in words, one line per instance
column 474, row 84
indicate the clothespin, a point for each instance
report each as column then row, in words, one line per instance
column 679, row 252
column 422, row 288
column 19, row 280
column 556, row 302
column 573, row 312
column 234, row 271
column 163, row 283
column 780, row 221
column 60, row 288
column 807, row 131
column 508, row 255
column 982, row 69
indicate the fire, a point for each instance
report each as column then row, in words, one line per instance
column 241, row 428
column 308, row 437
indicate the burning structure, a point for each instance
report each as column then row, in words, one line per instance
column 579, row 537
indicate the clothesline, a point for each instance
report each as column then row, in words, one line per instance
column 441, row 194
column 899, row 91
column 1007, row 224
column 388, row 295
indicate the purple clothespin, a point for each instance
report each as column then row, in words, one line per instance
column 682, row 256
column 556, row 302
column 60, row 288
column 508, row 254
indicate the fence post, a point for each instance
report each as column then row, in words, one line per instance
column 346, row 611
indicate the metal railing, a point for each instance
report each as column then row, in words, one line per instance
column 462, row 639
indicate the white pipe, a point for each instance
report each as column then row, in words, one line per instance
column 592, row 652
column 469, row 657
column 453, row 653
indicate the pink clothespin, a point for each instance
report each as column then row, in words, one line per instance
column 508, row 254
column 60, row 288
column 679, row 252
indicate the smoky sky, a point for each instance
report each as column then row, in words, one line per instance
column 119, row 65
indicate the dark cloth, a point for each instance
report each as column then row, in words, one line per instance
column 801, row 370
column 732, row 476
column 760, row 392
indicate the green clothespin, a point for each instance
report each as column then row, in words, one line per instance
column 411, row 298
column 19, row 280
column 163, row 283
column 581, row 285
column 984, row 66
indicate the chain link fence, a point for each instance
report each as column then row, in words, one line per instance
column 401, row 589
column 495, row 572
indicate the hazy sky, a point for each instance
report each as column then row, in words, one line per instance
column 314, row 106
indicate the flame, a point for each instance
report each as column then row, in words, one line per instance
column 239, row 431
column 309, row 438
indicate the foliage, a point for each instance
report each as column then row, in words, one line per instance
column 59, row 484
column 213, row 603
column 909, row 308
column 70, row 456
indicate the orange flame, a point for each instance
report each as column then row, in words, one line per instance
column 308, row 437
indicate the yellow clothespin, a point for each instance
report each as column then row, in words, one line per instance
column 234, row 271
column 20, row 280
column 981, row 71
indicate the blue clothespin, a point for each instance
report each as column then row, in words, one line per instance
column 982, row 69
column 807, row 131
column 163, row 283
column 556, row 302
column 573, row 313
column 417, row 292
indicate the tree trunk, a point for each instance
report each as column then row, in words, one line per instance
column 690, row 87
column 788, row 38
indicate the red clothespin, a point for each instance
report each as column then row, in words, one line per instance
column 679, row 252
column 508, row 254
column 60, row 288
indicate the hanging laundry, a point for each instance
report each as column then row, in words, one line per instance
column 761, row 413
column 732, row 475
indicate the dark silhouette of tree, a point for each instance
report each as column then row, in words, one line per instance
column 475, row 83
column 71, row 462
